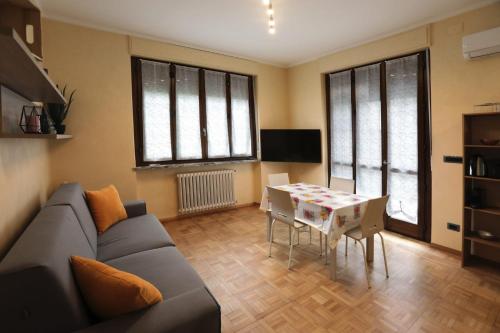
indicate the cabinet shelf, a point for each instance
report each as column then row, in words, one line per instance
column 493, row 243
column 20, row 72
column 488, row 210
column 483, row 146
column 483, row 178
column 36, row 136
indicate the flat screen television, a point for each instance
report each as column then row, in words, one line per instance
column 301, row 145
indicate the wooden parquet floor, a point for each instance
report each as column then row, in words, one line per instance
column 427, row 290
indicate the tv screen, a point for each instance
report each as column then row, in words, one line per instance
column 290, row 145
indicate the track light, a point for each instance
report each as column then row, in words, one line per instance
column 266, row 2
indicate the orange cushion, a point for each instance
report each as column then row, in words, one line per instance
column 110, row 292
column 106, row 207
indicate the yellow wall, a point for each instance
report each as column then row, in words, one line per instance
column 97, row 64
column 24, row 179
column 456, row 85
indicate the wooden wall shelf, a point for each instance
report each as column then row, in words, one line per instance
column 20, row 72
column 483, row 178
column 36, row 136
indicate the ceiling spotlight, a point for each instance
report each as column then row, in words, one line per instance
column 266, row 2
column 272, row 23
column 270, row 10
column 272, row 30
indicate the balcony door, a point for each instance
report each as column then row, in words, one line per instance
column 378, row 126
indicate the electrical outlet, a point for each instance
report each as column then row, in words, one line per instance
column 453, row 227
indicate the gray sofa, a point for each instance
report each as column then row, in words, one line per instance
column 38, row 292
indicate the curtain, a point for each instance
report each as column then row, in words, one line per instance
column 368, row 131
column 240, row 115
column 156, row 110
column 341, row 125
column 217, row 129
column 187, row 113
column 402, row 132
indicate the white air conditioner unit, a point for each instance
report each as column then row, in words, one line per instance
column 481, row 44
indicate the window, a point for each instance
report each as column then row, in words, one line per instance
column 186, row 114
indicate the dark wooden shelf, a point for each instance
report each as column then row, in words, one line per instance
column 20, row 72
column 36, row 136
column 483, row 178
column 487, row 210
column 483, row 146
column 493, row 243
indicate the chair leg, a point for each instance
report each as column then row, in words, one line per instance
column 385, row 259
column 326, row 249
column 291, row 249
column 310, row 235
column 298, row 236
column 346, row 239
column 271, row 237
column 366, row 264
column 289, row 235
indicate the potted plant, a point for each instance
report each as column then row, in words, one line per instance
column 59, row 111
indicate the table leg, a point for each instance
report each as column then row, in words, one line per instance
column 268, row 228
column 369, row 248
column 333, row 264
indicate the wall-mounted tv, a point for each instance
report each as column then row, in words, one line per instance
column 297, row 145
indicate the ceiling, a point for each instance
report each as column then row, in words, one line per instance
column 305, row 29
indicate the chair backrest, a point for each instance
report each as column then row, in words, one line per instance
column 373, row 218
column 278, row 179
column 342, row 184
column 281, row 205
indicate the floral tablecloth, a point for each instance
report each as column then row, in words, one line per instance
column 333, row 212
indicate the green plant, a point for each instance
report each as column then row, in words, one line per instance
column 59, row 111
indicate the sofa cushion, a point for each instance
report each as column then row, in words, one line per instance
column 165, row 268
column 71, row 194
column 106, row 207
column 132, row 235
column 37, row 289
column 110, row 292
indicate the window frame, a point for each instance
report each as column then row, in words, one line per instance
column 421, row 231
column 137, row 102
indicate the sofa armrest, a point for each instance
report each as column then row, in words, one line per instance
column 194, row 311
column 135, row 208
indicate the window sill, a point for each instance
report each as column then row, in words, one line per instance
column 188, row 165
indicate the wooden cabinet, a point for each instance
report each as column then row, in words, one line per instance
column 481, row 209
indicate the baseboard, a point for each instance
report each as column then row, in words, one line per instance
column 446, row 249
column 187, row 216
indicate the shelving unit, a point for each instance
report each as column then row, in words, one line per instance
column 36, row 136
column 20, row 72
column 476, row 250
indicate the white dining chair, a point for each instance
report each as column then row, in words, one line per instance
column 342, row 184
column 282, row 210
column 278, row 179
column 372, row 223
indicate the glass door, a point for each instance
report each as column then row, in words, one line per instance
column 378, row 126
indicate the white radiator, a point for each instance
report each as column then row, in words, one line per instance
column 202, row 191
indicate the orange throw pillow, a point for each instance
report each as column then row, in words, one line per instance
column 110, row 292
column 106, row 207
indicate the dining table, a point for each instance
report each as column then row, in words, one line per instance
column 330, row 211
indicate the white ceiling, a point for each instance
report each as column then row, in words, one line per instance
column 305, row 29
